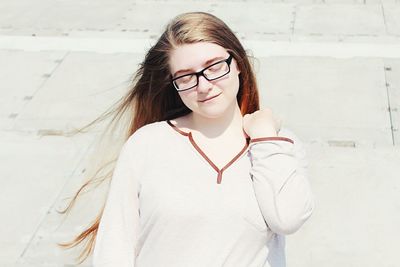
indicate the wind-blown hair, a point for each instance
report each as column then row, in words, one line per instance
column 152, row 96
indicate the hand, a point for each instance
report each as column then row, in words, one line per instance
column 261, row 123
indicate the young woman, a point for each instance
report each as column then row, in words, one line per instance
column 204, row 177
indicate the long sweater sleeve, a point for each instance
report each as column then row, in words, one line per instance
column 279, row 174
column 118, row 229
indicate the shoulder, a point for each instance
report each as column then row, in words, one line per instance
column 138, row 145
column 147, row 134
column 149, row 130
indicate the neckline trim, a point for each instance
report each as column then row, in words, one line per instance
column 177, row 129
column 204, row 155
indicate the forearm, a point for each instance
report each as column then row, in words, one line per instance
column 280, row 183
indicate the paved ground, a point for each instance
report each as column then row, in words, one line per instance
column 330, row 68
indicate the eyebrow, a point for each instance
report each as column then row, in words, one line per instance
column 205, row 63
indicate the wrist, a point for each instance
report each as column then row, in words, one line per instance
column 261, row 134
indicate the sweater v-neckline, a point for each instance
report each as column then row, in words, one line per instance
column 204, row 155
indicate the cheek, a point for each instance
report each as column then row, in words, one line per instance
column 233, row 85
column 188, row 97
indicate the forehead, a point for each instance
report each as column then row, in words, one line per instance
column 193, row 56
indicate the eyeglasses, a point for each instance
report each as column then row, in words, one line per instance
column 212, row 72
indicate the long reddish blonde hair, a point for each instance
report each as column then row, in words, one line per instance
column 152, row 96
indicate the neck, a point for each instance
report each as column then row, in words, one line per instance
column 229, row 123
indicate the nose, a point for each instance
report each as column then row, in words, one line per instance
column 204, row 85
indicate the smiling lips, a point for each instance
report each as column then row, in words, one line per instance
column 204, row 100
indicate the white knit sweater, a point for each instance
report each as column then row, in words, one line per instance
column 169, row 206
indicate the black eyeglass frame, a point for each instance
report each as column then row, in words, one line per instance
column 201, row 73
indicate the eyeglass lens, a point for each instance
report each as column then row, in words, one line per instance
column 213, row 72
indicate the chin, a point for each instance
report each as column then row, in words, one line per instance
column 211, row 114
column 212, row 111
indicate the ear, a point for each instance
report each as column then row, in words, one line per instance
column 237, row 67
